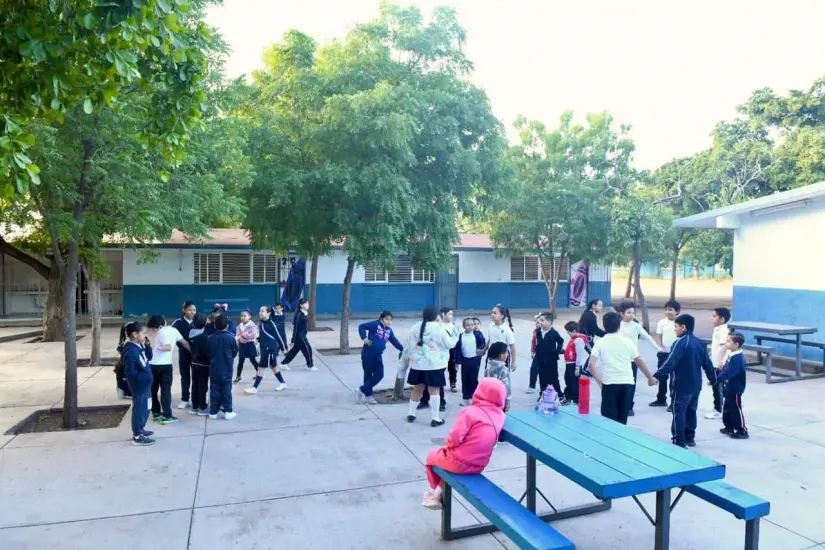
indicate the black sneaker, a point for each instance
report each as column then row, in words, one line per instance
column 142, row 441
column 442, row 407
column 740, row 435
column 682, row 445
column 631, row 413
column 726, row 431
column 437, row 423
column 670, row 408
column 147, row 433
column 410, row 418
column 690, row 443
column 422, row 406
column 658, row 403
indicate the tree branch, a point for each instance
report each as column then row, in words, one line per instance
column 13, row 252
column 58, row 257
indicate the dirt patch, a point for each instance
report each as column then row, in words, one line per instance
column 104, row 362
column 384, row 397
column 321, row 329
column 88, row 418
column 39, row 339
column 336, row 351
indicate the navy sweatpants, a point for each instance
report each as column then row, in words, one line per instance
column 141, row 393
column 373, row 365
column 220, row 393
column 683, row 427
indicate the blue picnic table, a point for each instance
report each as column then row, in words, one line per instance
column 608, row 459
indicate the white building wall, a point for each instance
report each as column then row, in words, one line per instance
column 781, row 250
column 331, row 269
column 481, row 266
column 171, row 267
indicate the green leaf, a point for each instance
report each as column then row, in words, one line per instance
column 164, row 6
column 109, row 94
column 55, row 104
column 89, row 21
column 127, row 34
column 164, row 176
column 155, row 41
column 88, row 107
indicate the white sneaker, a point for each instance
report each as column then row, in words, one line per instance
column 193, row 411
column 213, row 416
column 464, row 403
column 431, row 502
column 359, row 395
column 284, row 367
column 251, row 391
column 713, row 415
column 280, row 387
column 183, row 405
column 313, row 369
column 530, row 390
column 229, row 416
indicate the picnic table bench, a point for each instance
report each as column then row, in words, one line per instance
column 759, row 350
column 789, row 334
column 608, row 459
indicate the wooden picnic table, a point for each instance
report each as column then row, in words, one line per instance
column 779, row 330
column 608, row 459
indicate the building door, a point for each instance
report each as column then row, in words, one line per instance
column 446, row 285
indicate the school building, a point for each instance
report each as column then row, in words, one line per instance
column 776, row 261
column 226, row 269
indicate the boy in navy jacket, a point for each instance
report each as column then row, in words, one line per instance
column 199, row 342
column 469, row 349
column 688, row 357
column 375, row 335
column 184, row 325
column 300, row 343
column 736, row 375
column 222, row 351
column 138, row 372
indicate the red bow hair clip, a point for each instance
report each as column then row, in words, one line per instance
column 224, row 307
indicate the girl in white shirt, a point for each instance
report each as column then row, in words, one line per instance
column 633, row 331
column 500, row 332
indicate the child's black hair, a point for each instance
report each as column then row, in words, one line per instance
column 385, row 314
column 121, row 341
column 199, row 321
column 156, row 322
column 496, row 350
column 187, row 304
column 737, row 338
column 547, row 315
column 429, row 315
column 612, row 321
column 222, row 322
column 445, row 310
column 722, row 312
column 571, row 326
column 625, row 305
column 686, row 321
column 506, row 313
column 301, row 302
column 464, row 321
column 673, row 304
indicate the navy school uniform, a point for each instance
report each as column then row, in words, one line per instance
column 209, row 329
column 199, row 341
column 299, row 340
column 688, row 357
column 735, row 373
column 184, row 358
column 372, row 360
column 222, row 351
column 139, row 374
column 470, row 365
column 272, row 340
column 548, row 348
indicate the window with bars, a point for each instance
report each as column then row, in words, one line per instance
column 403, row 272
column 236, row 268
column 526, row 268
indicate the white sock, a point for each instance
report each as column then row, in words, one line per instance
column 413, row 407
column 435, row 402
column 437, row 492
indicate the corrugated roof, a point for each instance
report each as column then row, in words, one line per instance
column 728, row 216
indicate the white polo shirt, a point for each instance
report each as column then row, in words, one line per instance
column 167, row 335
column 718, row 351
column 614, row 354
column 667, row 329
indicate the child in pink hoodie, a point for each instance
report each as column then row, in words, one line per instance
column 470, row 443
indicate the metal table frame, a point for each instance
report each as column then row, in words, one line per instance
column 788, row 330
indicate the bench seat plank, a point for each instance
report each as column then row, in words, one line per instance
column 741, row 504
column 514, row 520
column 806, row 343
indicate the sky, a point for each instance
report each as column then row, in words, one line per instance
column 670, row 72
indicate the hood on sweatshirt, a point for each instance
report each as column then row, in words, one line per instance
column 491, row 392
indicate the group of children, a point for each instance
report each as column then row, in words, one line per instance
column 207, row 347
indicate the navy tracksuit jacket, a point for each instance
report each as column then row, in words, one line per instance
column 222, row 351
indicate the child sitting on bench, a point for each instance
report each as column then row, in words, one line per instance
column 470, row 443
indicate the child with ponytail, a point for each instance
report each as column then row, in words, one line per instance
column 271, row 343
column 247, row 334
column 138, row 372
column 500, row 331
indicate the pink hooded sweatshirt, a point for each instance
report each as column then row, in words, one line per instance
column 470, row 443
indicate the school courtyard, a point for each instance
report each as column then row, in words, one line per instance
column 308, row 468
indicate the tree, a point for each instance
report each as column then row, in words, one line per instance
column 564, row 180
column 409, row 141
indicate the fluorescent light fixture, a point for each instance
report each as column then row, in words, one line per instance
column 781, row 207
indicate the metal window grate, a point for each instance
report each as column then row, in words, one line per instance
column 236, row 268
column 207, row 268
column 402, row 273
column 563, row 270
column 265, row 268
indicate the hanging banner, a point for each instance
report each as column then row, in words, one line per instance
column 578, row 283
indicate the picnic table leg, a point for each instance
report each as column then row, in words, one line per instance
column 798, row 355
column 752, row 534
column 531, row 483
column 662, row 520
column 447, row 513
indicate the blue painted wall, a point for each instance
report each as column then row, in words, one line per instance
column 513, row 295
column 372, row 298
column 599, row 290
column 784, row 306
column 139, row 300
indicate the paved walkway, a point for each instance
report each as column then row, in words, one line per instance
column 308, row 468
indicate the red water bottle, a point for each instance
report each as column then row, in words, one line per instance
column 584, row 395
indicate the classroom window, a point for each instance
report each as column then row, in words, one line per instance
column 236, row 268
column 207, row 268
column 403, row 272
column 265, row 268
column 528, row 268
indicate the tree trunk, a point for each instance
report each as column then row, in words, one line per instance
column 313, row 291
column 54, row 314
column 696, row 269
column 551, row 296
column 70, row 272
column 94, row 313
column 641, row 303
column 345, row 312
column 629, row 287
column 676, row 250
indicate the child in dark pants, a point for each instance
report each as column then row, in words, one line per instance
column 222, row 351
column 299, row 337
column 139, row 374
column 575, row 360
column 246, row 334
column 549, row 345
column 375, row 335
column 199, row 342
column 734, row 376
column 469, row 349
